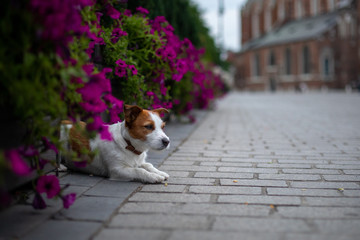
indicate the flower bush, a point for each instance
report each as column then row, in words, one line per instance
column 81, row 60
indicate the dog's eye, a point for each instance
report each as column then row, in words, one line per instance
column 149, row 127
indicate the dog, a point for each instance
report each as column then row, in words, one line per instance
column 125, row 156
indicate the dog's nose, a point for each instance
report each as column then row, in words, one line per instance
column 165, row 141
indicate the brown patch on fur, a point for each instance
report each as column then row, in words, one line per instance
column 160, row 111
column 137, row 128
column 78, row 140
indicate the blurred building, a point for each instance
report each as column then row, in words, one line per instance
column 296, row 44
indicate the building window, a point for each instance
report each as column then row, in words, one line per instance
column 256, row 65
column 314, row 7
column 272, row 59
column 299, row 9
column 327, row 64
column 306, row 60
column 255, row 25
column 281, row 10
column 331, row 5
column 288, row 62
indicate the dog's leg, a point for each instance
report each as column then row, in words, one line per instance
column 136, row 174
column 149, row 167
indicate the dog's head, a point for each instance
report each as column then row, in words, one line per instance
column 147, row 126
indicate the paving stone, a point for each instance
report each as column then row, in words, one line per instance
column 178, row 163
column 284, row 165
column 226, row 164
column 193, row 181
column 290, row 176
column 80, row 179
column 331, row 201
column 247, row 170
column 310, row 171
column 303, row 192
column 178, row 173
column 319, row 212
column 216, row 235
column 356, row 172
column 244, row 160
column 91, row 208
column 54, row 230
column 352, row 193
column 345, row 178
column 337, row 166
column 332, row 185
column 225, row 190
column 253, row 182
column 163, row 188
column 113, row 188
column 169, row 197
column 345, row 226
column 266, row 200
column 160, row 221
column 223, row 175
column 317, row 236
column 260, row 225
column 132, row 234
column 192, row 158
column 187, row 168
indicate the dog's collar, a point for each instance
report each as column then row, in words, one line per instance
column 131, row 148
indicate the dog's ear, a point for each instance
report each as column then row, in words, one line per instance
column 131, row 113
column 161, row 111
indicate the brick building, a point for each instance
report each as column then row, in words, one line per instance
column 288, row 44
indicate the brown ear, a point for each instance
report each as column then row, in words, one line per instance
column 131, row 113
column 160, row 111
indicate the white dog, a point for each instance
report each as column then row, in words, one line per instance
column 125, row 155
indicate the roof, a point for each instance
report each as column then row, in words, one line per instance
column 298, row 30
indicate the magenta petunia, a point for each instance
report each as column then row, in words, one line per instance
column 105, row 134
column 38, row 202
column 163, row 89
column 133, row 69
column 49, row 185
column 95, row 124
column 112, row 12
column 17, row 163
column 121, row 63
column 120, row 72
column 68, row 200
column 49, row 145
column 128, row 13
column 142, row 10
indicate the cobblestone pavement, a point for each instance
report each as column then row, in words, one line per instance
column 262, row 166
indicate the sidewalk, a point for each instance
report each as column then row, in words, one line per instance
column 262, row 166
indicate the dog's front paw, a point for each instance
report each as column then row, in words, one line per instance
column 154, row 178
column 164, row 174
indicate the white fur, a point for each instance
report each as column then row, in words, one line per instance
column 115, row 161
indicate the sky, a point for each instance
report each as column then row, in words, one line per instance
column 231, row 24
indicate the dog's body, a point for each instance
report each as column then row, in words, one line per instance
column 125, row 155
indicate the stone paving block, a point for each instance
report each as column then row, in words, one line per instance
column 265, row 200
column 150, row 207
column 160, row 221
column 307, row 177
column 178, row 173
column 248, row 170
column 201, row 159
column 254, row 182
column 319, row 212
column 317, row 236
column 260, row 225
column 331, row 201
column 245, row 160
column 304, row 161
column 283, row 165
column 345, row 178
column 338, row 166
column 132, row 234
column 344, row 226
column 303, row 192
column 169, row 197
column 91, row 208
column 352, row 193
column 322, row 185
column 223, row 175
column 310, row 171
column 178, row 163
column 60, row 230
column 225, row 190
column 80, row 179
column 113, row 188
column 163, row 188
column 356, row 172
column 188, row 168
column 216, row 235
column 193, row 181
column 226, row 164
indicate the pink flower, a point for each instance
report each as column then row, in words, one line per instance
column 112, row 12
column 121, row 63
column 181, row 66
column 38, row 202
column 163, row 89
column 142, row 10
column 49, row 145
column 49, row 185
column 117, row 32
column 177, row 77
column 127, row 12
column 17, row 163
column 68, row 200
column 95, row 124
column 120, row 72
column 133, row 69
column 105, row 134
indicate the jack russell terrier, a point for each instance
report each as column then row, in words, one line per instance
column 125, row 155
